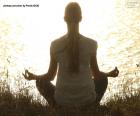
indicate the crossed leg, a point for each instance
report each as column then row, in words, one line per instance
column 100, row 88
column 47, row 89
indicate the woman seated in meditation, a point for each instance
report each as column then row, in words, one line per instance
column 73, row 59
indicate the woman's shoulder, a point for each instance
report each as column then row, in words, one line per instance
column 89, row 41
column 58, row 43
column 59, row 40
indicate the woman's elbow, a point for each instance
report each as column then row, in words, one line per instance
column 96, row 74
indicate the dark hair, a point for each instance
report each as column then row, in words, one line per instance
column 73, row 15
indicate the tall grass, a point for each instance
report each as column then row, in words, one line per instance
column 23, row 105
column 19, row 105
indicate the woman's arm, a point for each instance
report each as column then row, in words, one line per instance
column 95, row 69
column 48, row 76
column 99, row 74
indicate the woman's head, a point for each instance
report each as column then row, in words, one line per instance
column 73, row 13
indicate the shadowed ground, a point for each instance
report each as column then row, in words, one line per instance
column 23, row 105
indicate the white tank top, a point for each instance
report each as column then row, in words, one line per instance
column 71, row 88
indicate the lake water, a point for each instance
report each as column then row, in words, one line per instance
column 117, row 33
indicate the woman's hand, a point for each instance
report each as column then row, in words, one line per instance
column 113, row 73
column 28, row 75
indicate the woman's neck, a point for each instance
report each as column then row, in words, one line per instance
column 73, row 28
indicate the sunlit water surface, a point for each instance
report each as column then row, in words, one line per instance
column 25, row 40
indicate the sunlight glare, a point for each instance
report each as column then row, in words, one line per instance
column 40, row 26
